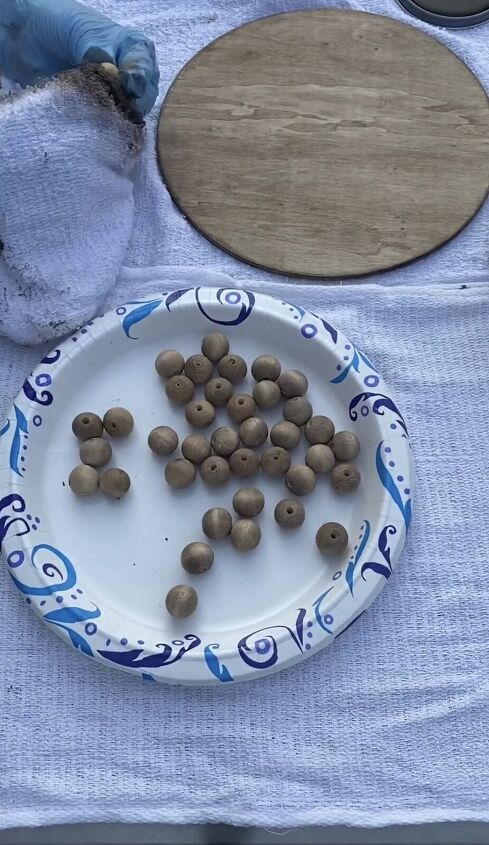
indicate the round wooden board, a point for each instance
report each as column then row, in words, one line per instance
column 326, row 143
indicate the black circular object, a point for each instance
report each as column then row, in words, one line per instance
column 450, row 13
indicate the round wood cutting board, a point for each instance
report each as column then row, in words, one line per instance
column 326, row 143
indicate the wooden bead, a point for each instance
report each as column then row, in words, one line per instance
column 181, row 601
column 115, row 483
column 118, row 422
column 266, row 367
column 318, row 429
column 196, row 448
column 217, row 391
column 297, row 410
column 169, row 363
column 300, row 480
column 84, row 480
column 179, row 473
column 198, row 369
column 275, row 462
column 345, row 478
column 180, row 389
column 267, row 394
column 240, row 407
column 197, row 558
column 200, row 413
column 85, row 426
column 289, row 513
column 232, row 367
column 346, row 446
column 285, row 434
column 331, row 538
column 215, row 346
column 215, row 470
column 225, row 441
column 163, row 440
column 95, row 452
column 217, row 523
column 244, row 463
column 249, row 501
column 320, row 458
column 245, row 535
column 293, row 383
column 253, row 432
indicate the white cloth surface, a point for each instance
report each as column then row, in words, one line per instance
column 388, row 725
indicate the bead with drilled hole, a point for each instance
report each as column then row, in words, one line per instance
column 200, row 413
column 232, row 367
column 198, row 369
column 240, row 407
column 244, row 463
column 118, row 422
column 331, row 538
column 218, row 391
column 215, row 470
column 85, row 426
column 181, row 601
column 289, row 513
column 275, row 462
column 180, row 389
column 345, row 478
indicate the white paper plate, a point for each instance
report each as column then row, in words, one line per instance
column 97, row 572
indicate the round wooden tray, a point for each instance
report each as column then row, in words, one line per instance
column 326, row 143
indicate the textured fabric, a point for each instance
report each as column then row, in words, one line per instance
column 389, row 724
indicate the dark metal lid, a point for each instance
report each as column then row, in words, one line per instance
column 451, row 13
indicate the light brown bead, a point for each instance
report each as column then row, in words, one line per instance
column 331, row 538
column 196, row 448
column 346, row 446
column 197, row 558
column 232, row 367
column 215, row 346
column 181, row 601
column 300, row 480
column 215, row 470
column 180, row 389
column 318, row 429
column 293, row 383
column 249, row 501
column 289, row 513
column 95, row 452
column 169, row 363
column 253, row 432
column 320, row 458
column 244, row 463
column 345, row 478
column 118, row 422
column 275, row 462
column 267, row 394
column 200, row 413
column 85, row 426
column 218, row 390
column 266, row 367
column 84, row 480
column 179, row 473
column 225, row 441
column 245, row 535
column 240, row 407
column 163, row 440
column 115, row 483
column 285, row 434
column 198, row 369
column 217, row 523
column 297, row 410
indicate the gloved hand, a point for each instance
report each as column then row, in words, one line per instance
column 39, row 38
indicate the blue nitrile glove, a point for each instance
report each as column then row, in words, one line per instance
column 39, row 38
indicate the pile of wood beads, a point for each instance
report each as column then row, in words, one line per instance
column 232, row 450
column 96, row 452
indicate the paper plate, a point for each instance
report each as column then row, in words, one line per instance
column 97, row 571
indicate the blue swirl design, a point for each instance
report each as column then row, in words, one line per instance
column 52, row 357
column 384, row 569
column 390, row 485
column 175, row 296
column 66, row 616
column 229, row 296
column 353, row 364
column 50, row 569
column 44, row 397
column 293, row 307
column 331, row 331
column 17, row 504
column 218, row 669
column 143, row 310
column 350, row 569
column 381, row 402
column 323, row 621
column 132, row 658
column 267, row 645
column 20, row 427
column 5, row 428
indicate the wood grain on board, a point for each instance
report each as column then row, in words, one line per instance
column 326, row 143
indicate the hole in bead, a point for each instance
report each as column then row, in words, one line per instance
column 214, row 466
column 232, row 361
column 199, row 407
column 240, row 401
column 290, row 510
column 275, row 457
column 347, row 473
column 244, row 459
column 85, row 420
column 218, row 385
column 333, row 535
